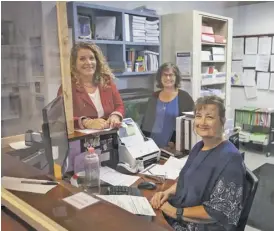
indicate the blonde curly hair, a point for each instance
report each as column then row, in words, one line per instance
column 103, row 74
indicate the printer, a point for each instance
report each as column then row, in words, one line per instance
column 134, row 147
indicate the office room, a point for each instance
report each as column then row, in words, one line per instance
column 137, row 115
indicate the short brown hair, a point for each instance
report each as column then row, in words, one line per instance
column 102, row 74
column 212, row 99
column 175, row 70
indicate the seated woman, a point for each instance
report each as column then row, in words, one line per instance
column 97, row 103
column 211, row 185
column 165, row 105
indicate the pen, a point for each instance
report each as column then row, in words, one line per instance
column 42, row 183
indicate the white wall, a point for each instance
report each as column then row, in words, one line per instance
column 252, row 19
column 248, row 20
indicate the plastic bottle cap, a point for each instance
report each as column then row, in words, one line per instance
column 75, row 176
column 91, row 150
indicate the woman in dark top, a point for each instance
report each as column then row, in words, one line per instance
column 165, row 105
column 211, row 185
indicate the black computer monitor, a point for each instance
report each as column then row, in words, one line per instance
column 55, row 136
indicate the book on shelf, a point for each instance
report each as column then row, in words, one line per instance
column 145, row 60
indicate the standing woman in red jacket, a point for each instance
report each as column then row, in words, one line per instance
column 97, row 103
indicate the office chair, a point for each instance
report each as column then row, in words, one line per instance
column 251, row 188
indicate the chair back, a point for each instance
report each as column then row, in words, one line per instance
column 250, row 191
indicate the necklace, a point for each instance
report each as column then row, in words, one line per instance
column 164, row 106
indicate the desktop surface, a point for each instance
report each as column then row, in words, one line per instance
column 100, row 215
column 76, row 135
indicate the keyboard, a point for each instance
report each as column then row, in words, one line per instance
column 123, row 190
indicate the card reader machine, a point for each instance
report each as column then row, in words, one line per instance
column 133, row 146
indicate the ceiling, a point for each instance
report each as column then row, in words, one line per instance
column 241, row 3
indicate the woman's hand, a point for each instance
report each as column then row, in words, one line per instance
column 98, row 124
column 169, row 210
column 159, row 199
column 114, row 121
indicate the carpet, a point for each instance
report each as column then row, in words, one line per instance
column 261, row 215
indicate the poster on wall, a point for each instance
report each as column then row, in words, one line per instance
column 183, row 61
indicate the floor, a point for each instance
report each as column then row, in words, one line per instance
column 254, row 160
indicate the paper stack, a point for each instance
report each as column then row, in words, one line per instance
column 138, row 29
column 152, row 31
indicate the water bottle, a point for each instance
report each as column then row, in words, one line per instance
column 92, row 171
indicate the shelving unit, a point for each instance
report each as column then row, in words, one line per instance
column 116, row 50
column 182, row 32
column 257, row 127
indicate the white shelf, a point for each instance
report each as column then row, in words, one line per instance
column 212, row 61
column 214, row 44
column 213, row 81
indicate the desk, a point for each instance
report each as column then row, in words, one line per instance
column 79, row 135
column 101, row 216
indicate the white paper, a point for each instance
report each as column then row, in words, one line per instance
column 133, row 204
column 272, row 63
column 164, row 171
column 237, row 72
column 250, row 92
column 264, row 45
column 249, row 60
column 80, row 200
column 263, row 80
column 171, row 169
column 249, row 78
column 262, row 63
column 237, row 48
column 272, row 45
column 113, row 177
column 91, row 131
column 251, row 46
column 237, row 67
column 271, row 85
column 18, row 145
column 183, row 61
column 14, row 183
column 176, row 163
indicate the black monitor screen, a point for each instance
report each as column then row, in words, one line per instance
column 55, row 133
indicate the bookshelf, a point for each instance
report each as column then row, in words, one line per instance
column 122, row 50
column 182, row 32
column 257, row 127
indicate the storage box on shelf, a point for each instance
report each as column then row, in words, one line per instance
column 257, row 126
column 129, row 32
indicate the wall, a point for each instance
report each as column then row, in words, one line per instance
column 166, row 7
column 252, row 19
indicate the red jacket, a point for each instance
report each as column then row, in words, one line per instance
column 83, row 106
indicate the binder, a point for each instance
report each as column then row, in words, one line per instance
column 190, row 137
column 127, row 28
column 179, row 143
column 187, row 134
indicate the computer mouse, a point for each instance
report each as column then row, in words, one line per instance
column 147, row 185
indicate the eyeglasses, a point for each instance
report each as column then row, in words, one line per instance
column 168, row 75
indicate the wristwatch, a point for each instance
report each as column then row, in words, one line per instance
column 179, row 214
